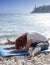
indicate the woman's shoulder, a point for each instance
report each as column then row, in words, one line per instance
column 33, row 33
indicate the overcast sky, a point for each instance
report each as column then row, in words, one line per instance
column 20, row 6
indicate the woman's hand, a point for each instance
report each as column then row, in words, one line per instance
column 7, row 48
column 14, row 51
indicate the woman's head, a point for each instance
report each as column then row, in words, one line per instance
column 21, row 41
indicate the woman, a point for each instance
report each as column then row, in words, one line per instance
column 23, row 43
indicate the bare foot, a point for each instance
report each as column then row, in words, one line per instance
column 33, row 54
column 30, row 51
column 9, row 41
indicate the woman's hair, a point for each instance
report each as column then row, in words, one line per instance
column 21, row 41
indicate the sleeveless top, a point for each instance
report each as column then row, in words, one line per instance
column 36, row 37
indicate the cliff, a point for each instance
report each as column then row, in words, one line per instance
column 42, row 9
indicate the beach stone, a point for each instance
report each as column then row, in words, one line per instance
column 29, row 63
column 4, row 62
column 0, row 62
column 1, row 58
column 36, row 58
column 45, row 64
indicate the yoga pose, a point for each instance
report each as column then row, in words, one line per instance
column 24, row 42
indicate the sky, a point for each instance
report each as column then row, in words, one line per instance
column 20, row 6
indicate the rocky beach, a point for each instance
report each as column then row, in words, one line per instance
column 40, row 59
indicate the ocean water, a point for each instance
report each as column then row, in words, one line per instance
column 13, row 25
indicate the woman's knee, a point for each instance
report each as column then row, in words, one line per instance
column 43, row 45
column 47, row 43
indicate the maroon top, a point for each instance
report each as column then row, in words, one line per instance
column 21, row 41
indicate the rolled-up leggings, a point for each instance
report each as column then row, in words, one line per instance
column 41, row 46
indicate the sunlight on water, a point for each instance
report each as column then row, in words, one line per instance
column 12, row 26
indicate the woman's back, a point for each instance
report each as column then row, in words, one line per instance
column 36, row 37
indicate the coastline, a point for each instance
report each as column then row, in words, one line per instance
column 41, row 9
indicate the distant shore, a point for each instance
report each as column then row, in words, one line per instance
column 42, row 9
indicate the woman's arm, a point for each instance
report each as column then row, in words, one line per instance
column 13, row 47
column 25, row 49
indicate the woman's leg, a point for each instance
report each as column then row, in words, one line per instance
column 10, row 42
column 39, row 47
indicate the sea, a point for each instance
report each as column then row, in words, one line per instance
column 14, row 25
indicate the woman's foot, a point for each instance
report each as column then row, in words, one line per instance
column 31, row 52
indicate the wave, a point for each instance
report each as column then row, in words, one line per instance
column 8, row 36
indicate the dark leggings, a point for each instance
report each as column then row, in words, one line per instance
column 41, row 46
